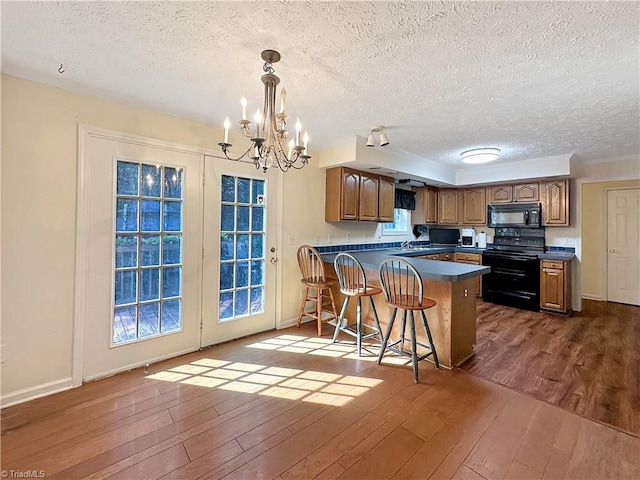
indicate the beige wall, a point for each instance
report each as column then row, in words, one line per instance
column 38, row 218
column 594, row 236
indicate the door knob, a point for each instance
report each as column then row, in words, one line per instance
column 273, row 260
column 611, row 250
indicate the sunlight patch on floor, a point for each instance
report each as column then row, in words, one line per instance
column 273, row 381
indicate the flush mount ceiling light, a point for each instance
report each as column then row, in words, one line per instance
column 480, row 155
column 371, row 141
column 268, row 140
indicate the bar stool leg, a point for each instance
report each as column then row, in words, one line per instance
column 302, row 305
column 333, row 304
column 414, row 349
column 341, row 319
column 404, row 326
column 319, row 311
column 359, row 325
column 375, row 317
column 383, row 346
column 433, row 348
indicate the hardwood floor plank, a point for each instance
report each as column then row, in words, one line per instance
column 317, row 461
column 435, row 449
column 360, row 450
column 217, row 435
column 61, row 457
column 465, row 473
column 130, row 453
column 496, row 449
column 520, row 471
column 537, row 444
column 473, row 426
column 562, row 448
column 595, row 455
column 286, row 454
column 268, row 429
column 383, row 461
column 205, row 463
column 310, row 419
column 330, row 473
column 245, row 457
column 628, row 455
column 156, row 466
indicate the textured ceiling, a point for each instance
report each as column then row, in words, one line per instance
column 533, row 78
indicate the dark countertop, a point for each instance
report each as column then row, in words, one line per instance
column 560, row 256
column 428, row 269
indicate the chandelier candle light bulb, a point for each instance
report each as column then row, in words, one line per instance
column 243, row 102
column 305, row 139
column 283, row 99
column 291, row 145
column 227, row 124
column 298, row 128
column 258, row 118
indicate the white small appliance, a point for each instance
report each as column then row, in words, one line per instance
column 482, row 240
column 468, row 238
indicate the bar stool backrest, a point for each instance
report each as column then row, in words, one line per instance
column 353, row 280
column 311, row 265
column 401, row 282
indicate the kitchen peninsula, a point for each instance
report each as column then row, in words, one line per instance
column 452, row 285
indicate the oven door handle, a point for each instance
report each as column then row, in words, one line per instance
column 510, row 257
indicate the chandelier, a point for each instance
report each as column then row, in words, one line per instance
column 268, row 140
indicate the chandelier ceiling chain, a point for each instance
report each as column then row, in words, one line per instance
column 270, row 134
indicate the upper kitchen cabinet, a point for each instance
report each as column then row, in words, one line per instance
column 426, row 206
column 342, row 196
column 449, row 206
column 368, row 209
column 526, row 192
column 354, row 195
column 474, row 206
column 555, row 203
column 386, row 198
column 500, row 194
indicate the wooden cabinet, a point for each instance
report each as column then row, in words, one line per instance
column 555, row 286
column 354, row 195
column 386, row 198
column 471, row 259
column 500, row 194
column 426, row 206
column 474, row 206
column 443, row 257
column 433, row 256
column 368, row 208
column 449, row 206
column 526, row 192
column 555, row 203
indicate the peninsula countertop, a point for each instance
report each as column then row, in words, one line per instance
column 429, row 269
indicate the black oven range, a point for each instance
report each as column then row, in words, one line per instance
column 514, row 279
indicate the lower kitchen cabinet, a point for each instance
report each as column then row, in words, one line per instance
column 471, row 259
column 555, row 286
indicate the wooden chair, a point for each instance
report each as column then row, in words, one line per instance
column 353, row 283
column 403, row 289
column 314, row 278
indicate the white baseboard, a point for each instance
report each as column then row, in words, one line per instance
column 593, row 297
column 32, row 393
column 138, row 365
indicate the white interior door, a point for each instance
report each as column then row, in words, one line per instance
column 623, row 245
column 143, row 258
column 239, row 268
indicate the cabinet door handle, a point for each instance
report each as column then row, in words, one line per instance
column 611, row 250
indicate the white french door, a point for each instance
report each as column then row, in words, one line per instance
column 141, row 254
column 623, row 246
column 239, row 265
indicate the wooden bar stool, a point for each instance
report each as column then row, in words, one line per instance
column 313, row 277
column 403, row 289
column 353, row 283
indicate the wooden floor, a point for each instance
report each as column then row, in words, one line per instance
column 588, row 363
column 288, row 404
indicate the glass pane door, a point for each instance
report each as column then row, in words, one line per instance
column 239, row 268
column 242, row 247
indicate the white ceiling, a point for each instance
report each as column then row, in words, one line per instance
column 535, row 79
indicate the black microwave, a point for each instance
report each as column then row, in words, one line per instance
column 514, row 215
